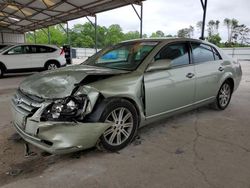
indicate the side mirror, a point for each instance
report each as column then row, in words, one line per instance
column 161, row 64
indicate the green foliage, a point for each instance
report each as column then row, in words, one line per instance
column 56, row 35
column 213, row 27
column 113, row 35
column 83, row 35
column 157, row 34
column 215, row 39
column 131, row 35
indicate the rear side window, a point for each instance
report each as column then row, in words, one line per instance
column 45, row 49
column 32, row 49
column 202, row 53
column 177, row 53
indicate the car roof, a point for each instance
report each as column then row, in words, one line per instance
column 169, row 39
column 28, row 44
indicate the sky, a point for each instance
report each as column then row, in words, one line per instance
column 171, row 15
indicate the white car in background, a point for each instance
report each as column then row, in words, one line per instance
column 30, row 57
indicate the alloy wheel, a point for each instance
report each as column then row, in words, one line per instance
column 119, row 132
column 224, row 95
column 52, row 66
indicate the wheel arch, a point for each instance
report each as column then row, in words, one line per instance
column 2, row 65
column 231, row 82
column 52, row 61
column 228, row 76
column 102, row 102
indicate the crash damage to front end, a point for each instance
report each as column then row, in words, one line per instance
column 53, row 134
column 51, row 115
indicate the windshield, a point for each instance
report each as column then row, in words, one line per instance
column 124, row 56
column 5, row 48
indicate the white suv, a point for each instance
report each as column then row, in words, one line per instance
column 30, row 57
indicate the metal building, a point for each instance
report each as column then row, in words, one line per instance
column 20, row 16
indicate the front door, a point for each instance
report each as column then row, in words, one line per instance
column 16, row 58
column 171, row 89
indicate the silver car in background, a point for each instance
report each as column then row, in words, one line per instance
column 121, row 88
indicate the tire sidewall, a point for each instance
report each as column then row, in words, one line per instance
column 112, row 105
column 218, row 100
column 50, row 63
column 1, row 71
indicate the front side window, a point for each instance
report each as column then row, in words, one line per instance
column 15, row 50
column 177, row 53
column 216, row 54
column 202, row 53
column 124, row 56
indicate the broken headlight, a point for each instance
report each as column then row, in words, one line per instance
column 70, row 108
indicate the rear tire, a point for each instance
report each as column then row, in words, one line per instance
column 1, row 71
column 52, row 65
column 125, row 121
column 223, row 97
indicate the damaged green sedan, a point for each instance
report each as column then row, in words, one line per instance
column 121, row 88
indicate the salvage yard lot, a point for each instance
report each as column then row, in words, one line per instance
column 201, row 148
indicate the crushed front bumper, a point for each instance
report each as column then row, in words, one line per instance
column 58, row 137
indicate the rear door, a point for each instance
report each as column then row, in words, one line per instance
column 208, row 70
column 171, row 89
column 40, row 54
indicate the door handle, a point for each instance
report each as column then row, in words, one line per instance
column 190, row 75
column 221, row 69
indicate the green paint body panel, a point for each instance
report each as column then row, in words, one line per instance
column 156, row 94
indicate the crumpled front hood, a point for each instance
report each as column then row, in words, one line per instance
column 59, row 83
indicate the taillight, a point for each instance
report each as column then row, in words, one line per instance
column 62, row 52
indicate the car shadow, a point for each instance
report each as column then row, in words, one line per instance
column 15, row 75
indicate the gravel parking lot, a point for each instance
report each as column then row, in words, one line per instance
column 201, row 148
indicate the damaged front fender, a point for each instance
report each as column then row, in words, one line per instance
column 92, row 95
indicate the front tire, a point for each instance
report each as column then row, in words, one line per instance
column 224, row 96
column 1, row 72
column 123, row 115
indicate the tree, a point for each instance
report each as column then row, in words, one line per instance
column 114, row 35
column 228, row 23
column 157, row 34
column 217, row 23
column 131, row 35
column 215, row 39
column 183, row 33
column 186, row 32
column 234, row 24
column 191, row 31
column 169, row 35
column 213, row 27
column 241, row 34
column 82, row 35
column 231, row 26
column 199, row 25
column 57, row 37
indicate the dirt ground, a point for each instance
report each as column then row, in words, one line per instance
column 202, row 148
